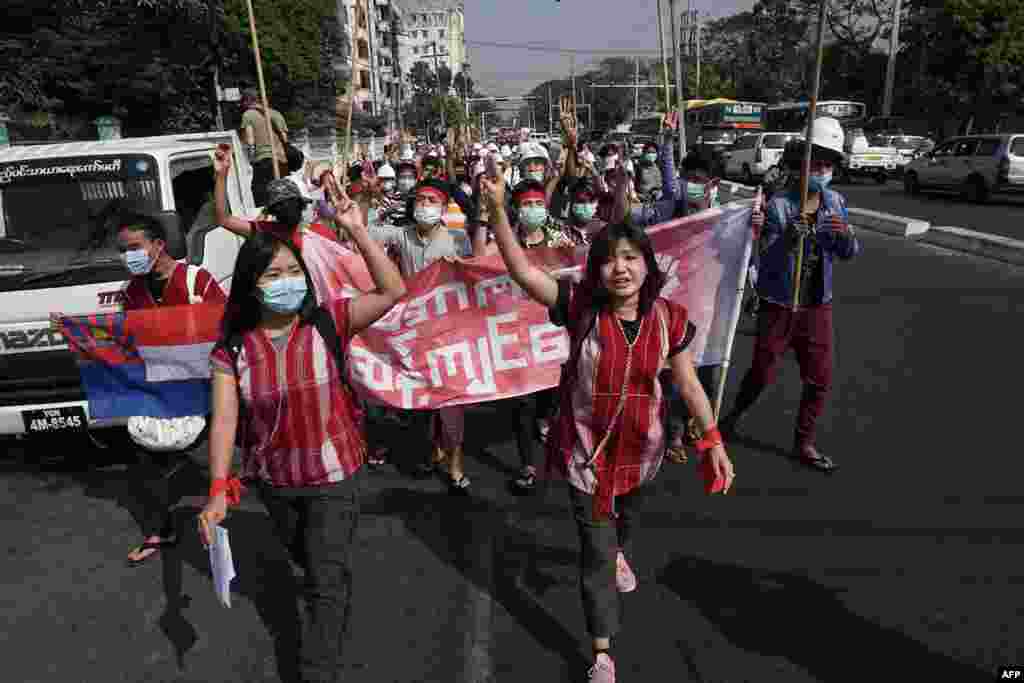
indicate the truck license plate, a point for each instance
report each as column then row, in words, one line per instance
column 62, row 419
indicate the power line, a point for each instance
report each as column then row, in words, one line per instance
column 533, row 47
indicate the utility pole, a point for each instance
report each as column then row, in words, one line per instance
column 437, row 75
column 550, row 123
column 890, row 68
column 636, row 93
column 572, row 68
column 396, row 69
column 664, row 57
column 680, row 107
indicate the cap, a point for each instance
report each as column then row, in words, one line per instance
column 281, row 190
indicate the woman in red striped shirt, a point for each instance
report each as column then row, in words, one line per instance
column 608, row 439
column 279, row 385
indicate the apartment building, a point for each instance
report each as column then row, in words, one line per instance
column 434, row 27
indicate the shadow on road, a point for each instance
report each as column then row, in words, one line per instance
column 475, row 537
column 778, row 614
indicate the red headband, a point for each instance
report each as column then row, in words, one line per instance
column 527, row 195
column 585, row 196
column 428, row 189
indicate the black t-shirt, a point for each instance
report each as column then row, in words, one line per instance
column 559, row 315
column 156, row 286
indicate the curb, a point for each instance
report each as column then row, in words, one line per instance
column 982, row 244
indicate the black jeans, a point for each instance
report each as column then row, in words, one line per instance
column 529, row 409
column 262, row 173
column 318, row 531
column 159, row 478
column 600, row 542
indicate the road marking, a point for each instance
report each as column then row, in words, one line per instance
column 479, row 668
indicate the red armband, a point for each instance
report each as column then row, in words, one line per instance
column 712, row 437
column 232, row 487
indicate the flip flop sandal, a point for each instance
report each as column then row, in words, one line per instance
column 377, row 459
column 676, row 453
column 155, row 546
column 822, row 464
column 458, row 486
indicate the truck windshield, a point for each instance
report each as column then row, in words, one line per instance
column 60, row 214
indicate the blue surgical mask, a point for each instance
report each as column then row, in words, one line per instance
column 695, row 192
column 584, row 212
column 427, row 215
column 651, row 157
column 372, row 216
column 284, row 295
column 817, row 182
column 137, row 261
column 533, row 216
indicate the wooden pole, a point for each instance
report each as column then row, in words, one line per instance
column 346, row 138
column 806, row 166
column 263, row 88
column 664, row 59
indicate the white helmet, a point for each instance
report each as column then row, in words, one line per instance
column 532, row 150
column 828, row 134
column 386, row 171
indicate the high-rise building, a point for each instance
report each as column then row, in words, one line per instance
column 436, row 33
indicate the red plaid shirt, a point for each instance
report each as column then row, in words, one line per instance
column 298, row 423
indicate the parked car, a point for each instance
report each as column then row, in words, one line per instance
column 752, row 155
column 865, row 160
column 909, row 147
column 976, row 166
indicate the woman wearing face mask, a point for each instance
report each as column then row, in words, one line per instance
column 608, row 441
column 321, row 250
column 278, row 387
column 701, row 183
column 583, row 205
column 418, row 246
column 656, row 175
column 157, row 280
column 808, row 330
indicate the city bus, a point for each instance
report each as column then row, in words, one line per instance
column 792, row 116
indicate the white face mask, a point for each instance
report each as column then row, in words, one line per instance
column 428, row 215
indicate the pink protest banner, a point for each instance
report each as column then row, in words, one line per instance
column 466, row 333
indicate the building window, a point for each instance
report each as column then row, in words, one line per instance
column 367, row 107
column 440, row 34
column 415, row 50
column 364, row 50
column 364, row 79
column 361, row 17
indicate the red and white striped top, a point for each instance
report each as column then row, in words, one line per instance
column 298, row 423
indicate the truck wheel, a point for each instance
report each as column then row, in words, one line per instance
column 748, row 177
column 911, row 186
column 977, row 192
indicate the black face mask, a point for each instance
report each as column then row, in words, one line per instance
column 289, row 212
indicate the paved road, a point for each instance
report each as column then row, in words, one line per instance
column 999, row 216
column 905, row 565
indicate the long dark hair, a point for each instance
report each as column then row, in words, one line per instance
column 600, row 252
column 244, row 310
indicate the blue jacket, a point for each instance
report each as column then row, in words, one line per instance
column 778, row 255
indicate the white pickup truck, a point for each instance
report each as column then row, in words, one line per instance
column 864, row 160
column 58, row 251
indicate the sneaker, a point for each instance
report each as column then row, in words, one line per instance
column 603, row 670
column 625, row 579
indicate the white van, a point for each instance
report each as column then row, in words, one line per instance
column 752, row 155
column 58, row 251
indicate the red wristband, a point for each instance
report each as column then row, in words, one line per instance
column 712, row 437
column 231, row 487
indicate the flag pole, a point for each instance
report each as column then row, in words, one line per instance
column 664, row 62
column 263, row 88
column 346, row 150
column 806, row 166
column 734, row 322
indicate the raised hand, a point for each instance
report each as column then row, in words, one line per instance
column 222, row 160
column 567, row 119
column 493, row 190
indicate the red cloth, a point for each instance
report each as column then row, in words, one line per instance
column 301, row 426
column 137, row 294
column 295, row 236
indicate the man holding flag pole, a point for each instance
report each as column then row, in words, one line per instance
column 806, row 229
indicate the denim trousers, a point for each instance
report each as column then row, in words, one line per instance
column 318, row 531
column 600, row 542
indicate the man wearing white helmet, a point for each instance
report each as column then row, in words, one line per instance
column 808, row 329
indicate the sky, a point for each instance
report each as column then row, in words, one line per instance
column 610, row 25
